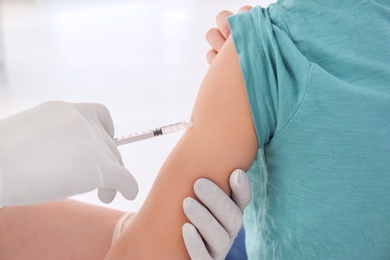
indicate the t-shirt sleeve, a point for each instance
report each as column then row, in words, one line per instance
column 276, row 74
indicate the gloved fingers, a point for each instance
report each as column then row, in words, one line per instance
column 106, row 122
column 106, row 195
column 117, row 177
column 194, row 243
column 110, row 143
column 216, row 237
column 220, row 205
column 106, row 126
column 99, row 117
column 100, row 113
column 241, row 188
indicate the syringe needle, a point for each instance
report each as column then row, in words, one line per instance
column 151, row 133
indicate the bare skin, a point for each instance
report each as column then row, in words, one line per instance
column 216, row 37
column 59, row 230
column 222, row 139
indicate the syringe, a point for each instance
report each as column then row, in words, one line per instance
column 151, row 133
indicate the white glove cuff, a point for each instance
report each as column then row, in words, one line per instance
column 123, row 222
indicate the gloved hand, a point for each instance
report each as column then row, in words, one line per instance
column 59, row 149
column 218, row 220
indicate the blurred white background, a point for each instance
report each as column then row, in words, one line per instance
column 143, row 59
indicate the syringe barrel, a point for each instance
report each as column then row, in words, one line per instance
column 151, row 133
column 134, row 137
column 175, row 127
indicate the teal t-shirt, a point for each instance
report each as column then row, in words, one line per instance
column 317, row 74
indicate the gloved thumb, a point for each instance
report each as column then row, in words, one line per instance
column 104, row 118
column 100, row 113
column 241, row 189
column 118, row 178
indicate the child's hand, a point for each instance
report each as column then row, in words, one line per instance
column 216, row 37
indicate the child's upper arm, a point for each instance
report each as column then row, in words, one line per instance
column 221, row 139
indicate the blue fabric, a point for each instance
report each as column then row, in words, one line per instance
column 238, row 252
column 317, row 74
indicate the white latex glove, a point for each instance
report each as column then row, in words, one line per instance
column 218, row 220
column 59, row 149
